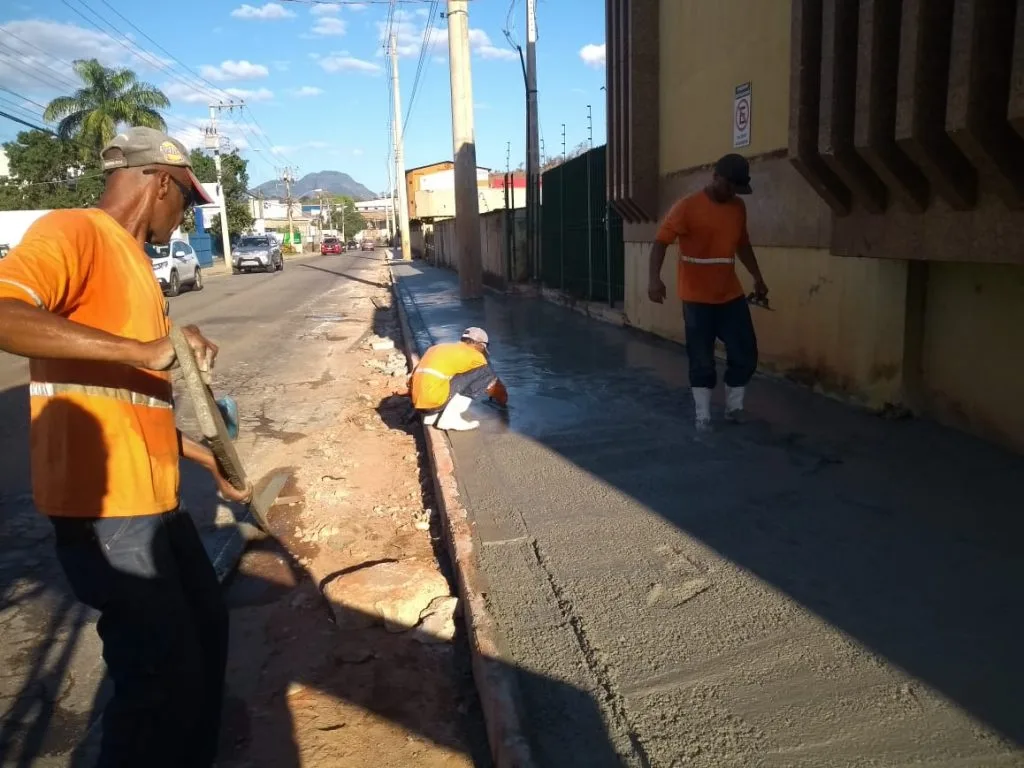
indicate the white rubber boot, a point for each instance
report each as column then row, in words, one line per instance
column 702, row 408
column 430, row 419
column 451, row 417
column 734, row 403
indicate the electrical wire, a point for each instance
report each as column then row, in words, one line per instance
column 43, row 129
column 424, row 50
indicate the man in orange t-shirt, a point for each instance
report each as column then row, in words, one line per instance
column 78, row 298
column 710, row 228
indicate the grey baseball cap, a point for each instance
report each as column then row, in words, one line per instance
column 140, row 146
column 479, row 335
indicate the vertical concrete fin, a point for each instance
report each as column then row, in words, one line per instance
column 838, row 102
column 804, row 102
column 981, row 56
column 874, row 135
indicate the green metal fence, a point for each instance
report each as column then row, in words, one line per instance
column 581, row 253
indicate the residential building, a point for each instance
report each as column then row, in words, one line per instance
column 887, row 163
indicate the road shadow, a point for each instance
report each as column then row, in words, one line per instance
column 904, row 536
column 343, row 275
column 311, row 661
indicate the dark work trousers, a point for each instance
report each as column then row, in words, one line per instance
column 472, row 384
column 729, row 322
column 164, row 626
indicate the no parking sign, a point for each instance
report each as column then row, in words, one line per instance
column 741, row 109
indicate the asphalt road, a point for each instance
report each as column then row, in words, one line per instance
column 50, row 665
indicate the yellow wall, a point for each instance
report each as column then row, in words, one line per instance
column 838, row 323
column 707, row 48
column 972, row 349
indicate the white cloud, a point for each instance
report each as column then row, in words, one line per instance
column 357, row 152
column 27, row 40
column 480, row 42
column 264, row 12
column 343, row 62
column 329, row 26
column 593, row 55
column 325, row 9
column 179, row 92
column 357, row 6
column 317, row 145
column 307, row 90
column 409, row 28
column 234, row 70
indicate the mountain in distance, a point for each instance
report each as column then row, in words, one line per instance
column 331, row 182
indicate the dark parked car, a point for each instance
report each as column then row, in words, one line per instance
column 351, row 245
column 256, row 252
column 331, row 245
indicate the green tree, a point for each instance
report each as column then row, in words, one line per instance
column 235, row 178
column 47, row 172
column 345, row 206
column 108, row 99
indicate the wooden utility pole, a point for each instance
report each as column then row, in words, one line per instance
column 467, row 196
column 213, row 142
column 532, row 140
column 403, row 197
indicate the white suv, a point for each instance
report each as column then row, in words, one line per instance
column 175, row 266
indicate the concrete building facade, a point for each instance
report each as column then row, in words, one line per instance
column 886, row 142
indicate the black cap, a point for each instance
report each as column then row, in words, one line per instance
column 736, row 170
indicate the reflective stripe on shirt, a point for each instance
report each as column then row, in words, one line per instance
column 691, row 260
column 432, row 372
column 47, row 389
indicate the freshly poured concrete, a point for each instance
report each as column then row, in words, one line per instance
column 817, row 587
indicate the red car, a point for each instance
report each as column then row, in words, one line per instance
column 330, row 245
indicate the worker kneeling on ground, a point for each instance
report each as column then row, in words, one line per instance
column 450, row 376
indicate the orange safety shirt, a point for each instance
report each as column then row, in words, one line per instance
column 103, row 437
column 431, row 379
column 708, row 234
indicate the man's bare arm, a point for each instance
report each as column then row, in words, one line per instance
column 746, row 256
column 30, row 331
column 655, row 286
column 203, row 456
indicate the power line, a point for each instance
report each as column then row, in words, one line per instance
column 165, row 51
column 42, row 129
column 424, row 48
column 142, row 55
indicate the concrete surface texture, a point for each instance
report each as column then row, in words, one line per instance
column 295, row 354
column 818, row 586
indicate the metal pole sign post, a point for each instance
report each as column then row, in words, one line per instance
column 741, row 110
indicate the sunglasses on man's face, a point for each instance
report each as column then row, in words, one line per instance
column 187, row 193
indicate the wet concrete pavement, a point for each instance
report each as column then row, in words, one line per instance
column 817, row 587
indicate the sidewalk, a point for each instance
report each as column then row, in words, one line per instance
column 817, row 587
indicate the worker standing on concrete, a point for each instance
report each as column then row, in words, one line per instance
column 450, row 376
column 78, row 298
column 710, row 227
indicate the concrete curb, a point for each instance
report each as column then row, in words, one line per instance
column 493, row 676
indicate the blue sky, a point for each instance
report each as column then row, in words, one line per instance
column 313, row 73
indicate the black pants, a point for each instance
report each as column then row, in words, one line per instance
column 164, row 627
column 472, row 384
column 729, row 322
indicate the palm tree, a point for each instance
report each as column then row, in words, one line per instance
column 109, row 98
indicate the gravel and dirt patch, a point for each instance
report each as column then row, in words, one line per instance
column 345, row 645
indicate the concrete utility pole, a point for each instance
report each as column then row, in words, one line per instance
column 213, row 142
column 532, row 138
column 403, row 201
column 590, row 209
column 467, row 196
column 288, row 177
